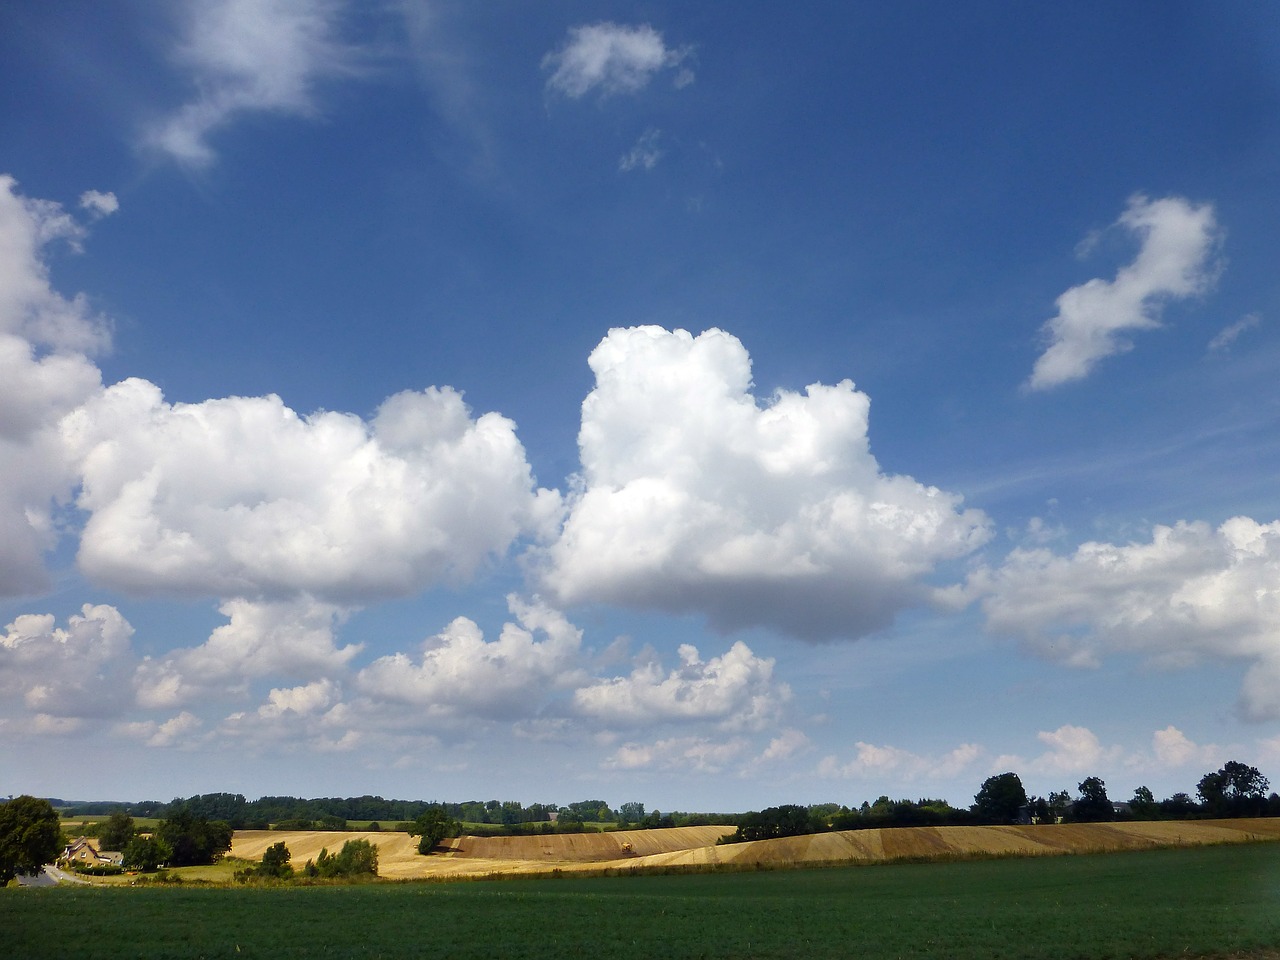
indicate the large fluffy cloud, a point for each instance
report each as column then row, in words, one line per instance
column 44, row 373
column 1174, row 261
column 244, row 497
column 613, row 59
column 80, row 670
column 1189, row 592
column 694, row 497
column 250, row 55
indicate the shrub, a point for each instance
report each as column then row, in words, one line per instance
column 356, row 858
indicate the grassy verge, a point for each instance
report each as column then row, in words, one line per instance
column 1162, row 903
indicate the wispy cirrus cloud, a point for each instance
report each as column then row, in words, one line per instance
column 645, row 154
column 248, row 56
column 1174, row 262
column 613, row 59
column 1231, row 333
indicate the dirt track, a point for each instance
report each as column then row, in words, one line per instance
column 689, row 846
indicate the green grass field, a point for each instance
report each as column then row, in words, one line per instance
column 1163, row 903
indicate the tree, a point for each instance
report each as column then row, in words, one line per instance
column 1000, row 799
column 1039, row 810
column 356, row 858
column 1059, row 805
column 194, row 840
column 1236, row 790
column 1144, row 804
column 1093, row 806
column 117, row 832
column 1178, row 807
column 432, row 826
column 788, row 820
column 30, row 836
column 146, row 853
column 275, row 861
column 632, row 812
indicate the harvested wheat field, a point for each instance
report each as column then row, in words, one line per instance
column 470, row 856
column 691, row 847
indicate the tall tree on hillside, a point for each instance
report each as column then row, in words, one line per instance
column 1000, row 798
column 30, row 836
column 432, row 826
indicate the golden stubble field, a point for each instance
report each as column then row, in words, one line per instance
column 694, row 846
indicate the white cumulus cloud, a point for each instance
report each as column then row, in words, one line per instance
column 695, row 497
column 1192, row 591
column 291, row 638
column 250, row 55
column 689, row 754
column 45, row 372
column 736, row 690
column 1174, row 261
column 302, row 701
column 459, row 673
column 80, row 670
column 242, row 497
column 99, row 204
column 883, row 762
column 178, row 730
column 1074, row 750
column 614, row 59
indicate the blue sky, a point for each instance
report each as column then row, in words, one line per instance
column 711, row 406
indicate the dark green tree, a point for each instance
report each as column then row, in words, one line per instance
column 1144, row 804
column 1178, row 807
column 356, row 858
column 30, row 836
column 1059, row 805
column 1236, row 790
column 1039, row 810
column 788, row 820
column 1000, row 798
column 116, row 832
column 632, row 812
column 146, row 853
column 432, row 826
column 1093, row 806
column 194, row 840
column 275, row 861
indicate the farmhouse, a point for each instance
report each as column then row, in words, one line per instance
column 81, row 851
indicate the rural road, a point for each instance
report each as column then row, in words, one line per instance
column 50, row 876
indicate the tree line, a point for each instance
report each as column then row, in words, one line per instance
column 335, row 813
column 1234, row 790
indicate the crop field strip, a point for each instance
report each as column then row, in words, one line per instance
column 695, row 847
column 1200, row 902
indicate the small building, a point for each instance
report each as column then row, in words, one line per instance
column 82, row 852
